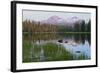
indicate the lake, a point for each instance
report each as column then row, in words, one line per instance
column 56, row 47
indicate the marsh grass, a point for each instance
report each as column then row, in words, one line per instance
column 26, row 51
column 82, row 57
column 51, row 52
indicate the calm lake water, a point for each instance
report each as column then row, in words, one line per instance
column 65, row 47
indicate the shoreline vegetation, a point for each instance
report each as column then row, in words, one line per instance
column 77, row 27
column 62, row 32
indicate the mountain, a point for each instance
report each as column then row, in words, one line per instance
column 73, row 20
column 55, row 20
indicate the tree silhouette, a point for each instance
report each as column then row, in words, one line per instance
column 77, row 27
column 83, row 26
column 89, row 26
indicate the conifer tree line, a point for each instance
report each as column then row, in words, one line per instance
column 33, row 26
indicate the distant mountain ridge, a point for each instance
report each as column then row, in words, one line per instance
column 56, row 20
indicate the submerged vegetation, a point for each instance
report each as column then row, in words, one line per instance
column 47, row 52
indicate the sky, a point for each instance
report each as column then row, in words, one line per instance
column 44, row 15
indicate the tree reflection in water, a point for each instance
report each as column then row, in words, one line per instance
column 46, row 46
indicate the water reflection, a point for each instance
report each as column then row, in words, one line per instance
column 78, row 38
column 57, row 47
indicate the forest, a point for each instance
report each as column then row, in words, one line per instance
column 33, row 26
